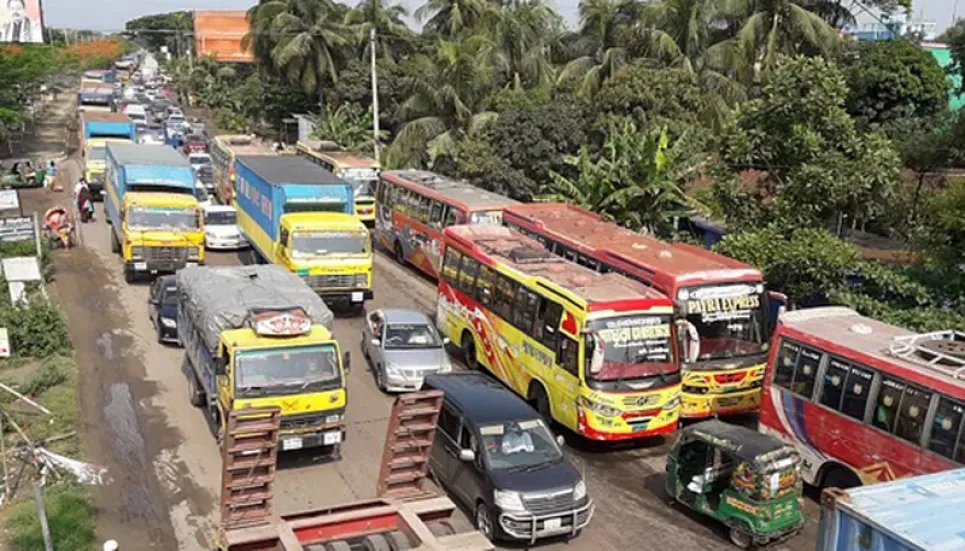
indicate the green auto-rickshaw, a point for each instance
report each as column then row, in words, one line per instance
column 745, row 479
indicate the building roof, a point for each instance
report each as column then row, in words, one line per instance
column 463, row 192
column 137, row 154
column 686, row 264
column 481, row 398
column 528, row 256
column 401, row 315
column 287, row 169
column 924, row 512
column 847, row 329
column 743, row 442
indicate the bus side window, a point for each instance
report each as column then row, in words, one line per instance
column 832, row 386
column 567, row 355
column 450, row 265
column 525, row 313
column 422, row 209
column 945, row 428
column 857, row 389
column 380, row 194
column 435, row 214
column 467, row 275
column 911, row 414
column 484, row 286
column 886, row 409
column 806, row 373
column 452, row 217
column 784, row 365
column 547, row 322
column 503, row 304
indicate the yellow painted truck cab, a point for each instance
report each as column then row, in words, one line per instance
column 257, row 336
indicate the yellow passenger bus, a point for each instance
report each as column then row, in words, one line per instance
column 361, row 172
column 595, row 352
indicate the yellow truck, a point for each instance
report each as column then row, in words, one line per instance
column 98, row 130
column 302, row 217
column 156, row 221
column 257, row 336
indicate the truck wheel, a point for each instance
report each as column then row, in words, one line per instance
column 340, row 545
column 130, row 276
column 398, row 541
column 107, row 218
column 375, row 542
column 195, row 394
column 115, row 244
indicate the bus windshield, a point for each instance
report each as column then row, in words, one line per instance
column 154, row 218
column 324, row 243
column 729, row 320
column 286, row 370
column 363, row 180
column 622, row 348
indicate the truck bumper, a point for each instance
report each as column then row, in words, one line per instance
column 290, row 441
column 139, row 267
column 345, row 296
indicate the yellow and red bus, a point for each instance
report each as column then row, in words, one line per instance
column 361, row 172
column 720, row 302
column 595, row 352
column 224, row 150
column 414, row 206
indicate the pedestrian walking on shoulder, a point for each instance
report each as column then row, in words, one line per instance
column 85, row 204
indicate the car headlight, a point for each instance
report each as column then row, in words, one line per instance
column 579, row 491
column 137, row 253
column 169, row 323
column 508, row 500
column 601, row 409
column 446, row 365
column 393, row 370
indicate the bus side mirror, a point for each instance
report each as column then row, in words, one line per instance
column 776, row 305
column 689, row 340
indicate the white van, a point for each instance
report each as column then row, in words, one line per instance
column 136, row 113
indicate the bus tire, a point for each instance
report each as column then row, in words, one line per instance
column 399, row 253
column 469, row 351
column 541, row 402
column 838, row 476
column 115, row 244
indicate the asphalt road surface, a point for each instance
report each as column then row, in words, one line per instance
column 165, row 464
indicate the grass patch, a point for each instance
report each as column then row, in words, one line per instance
column 70, row 515
column 51, row 383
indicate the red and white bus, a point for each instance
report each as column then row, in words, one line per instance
column 864, row 401
column 721, row 302
column 414, row 206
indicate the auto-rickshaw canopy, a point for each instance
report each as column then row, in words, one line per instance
column 745, row 444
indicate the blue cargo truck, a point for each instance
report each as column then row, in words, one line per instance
column 922, row 513
column 301, row 216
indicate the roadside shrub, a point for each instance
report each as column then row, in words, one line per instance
column 70, row 516
column 49, row 376
column 37, row 330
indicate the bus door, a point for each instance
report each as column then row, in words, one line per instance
column 563, row 376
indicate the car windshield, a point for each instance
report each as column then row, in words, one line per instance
column 411, row 336
column 286, row 370
column 97, row 154
column 220, row 218
column 323, row 243
column 519, row 445
column 729, row 320
column 170, row 296
column 624, row 348
column 157, row 218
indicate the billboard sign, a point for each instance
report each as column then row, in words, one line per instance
column 21, row 21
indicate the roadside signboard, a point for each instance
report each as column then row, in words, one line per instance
column 21, row 21
column 18, row 228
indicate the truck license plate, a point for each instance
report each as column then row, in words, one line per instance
column 552, row 524
column 291, row 444
column 140, row 265
column 330, row 438
column 356, row 297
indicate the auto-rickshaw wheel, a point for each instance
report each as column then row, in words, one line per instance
column 740, row 537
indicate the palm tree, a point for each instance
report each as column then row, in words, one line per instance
column 446, row 90
column 636, row 181
column 300, row 40
column 524, row 32
column 771, row 28
column 391, row 33
column 453, row 18
column 599, row 46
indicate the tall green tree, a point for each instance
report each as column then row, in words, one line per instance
column 301, row 40
column 392, row 35
column 525, row 31
column 772, row 28
column 599, row 49
column 452, row 19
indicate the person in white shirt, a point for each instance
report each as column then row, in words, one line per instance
column 81, row 184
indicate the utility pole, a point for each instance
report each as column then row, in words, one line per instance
column 375, row 94
column 42, row 515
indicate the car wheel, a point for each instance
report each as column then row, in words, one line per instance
column 380, row 378
column 469, row 352
column 484, row 521
column 160, row 332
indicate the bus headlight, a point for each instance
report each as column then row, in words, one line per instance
column 672, row 403
column 598, row 408
column 687, row 389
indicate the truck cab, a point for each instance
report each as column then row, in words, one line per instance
column 162, row 232
column 95, row 162
column 331, row 251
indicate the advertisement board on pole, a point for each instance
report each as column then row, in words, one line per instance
column 21, row 21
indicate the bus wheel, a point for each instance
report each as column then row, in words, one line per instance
column 469, row 352
column 541, row 402
column 839, row 477
column 399, row 254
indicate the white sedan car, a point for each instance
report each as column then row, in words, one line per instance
column 221, row 230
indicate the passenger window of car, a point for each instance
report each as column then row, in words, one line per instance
column 945, row 426
column 886, row 408
column 568, row 355
column 525, row 312
column 503, row 304
column 467, row 441
column 784, row 365
column 832, row 388
column 435, row 214
column 484, row 286
column 467, row 275
column 856, row 392
column 448, row 423
column 548, row 322
column 450, row 265
column 806, row 373
column 911, row 415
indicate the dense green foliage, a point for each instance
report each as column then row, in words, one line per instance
column 172, row 30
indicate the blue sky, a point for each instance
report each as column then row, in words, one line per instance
column 111, row 14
